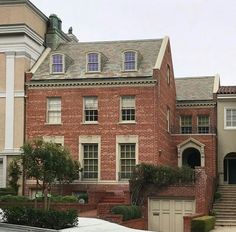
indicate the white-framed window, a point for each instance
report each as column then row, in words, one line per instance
column 93, row 62
column 57, row 63
column 90, row 161
column 186, row 124
column 168, row 74
column 230, row 118
column 53, row 110
column 90, row 109
column 130, row 61
column 127, row 160
column 203, row 124
column 128, row 108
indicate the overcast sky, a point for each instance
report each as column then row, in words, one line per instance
column 202, row 32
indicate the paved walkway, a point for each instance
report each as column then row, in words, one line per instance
column 89, row 213
column 224, row 229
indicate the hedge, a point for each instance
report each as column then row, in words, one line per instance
column 128, row 212
column 203, row 224
column 50, row 219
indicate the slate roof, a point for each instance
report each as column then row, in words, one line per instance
column 227, row 90
column 194, row 88
column 111, row 52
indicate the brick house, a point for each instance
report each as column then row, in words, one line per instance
column 115, row 104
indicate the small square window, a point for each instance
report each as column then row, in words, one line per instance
column 230, row 118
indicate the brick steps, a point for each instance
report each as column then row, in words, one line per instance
column 113, row 199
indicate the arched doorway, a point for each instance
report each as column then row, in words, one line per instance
column 230, row 168
column 191, row 157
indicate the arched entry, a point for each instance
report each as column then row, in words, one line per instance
column 191, row 152
column 230, row 168
column 191, row 157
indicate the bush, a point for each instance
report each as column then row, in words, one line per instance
column 128, row 212
column 12, row 198
column 50, row 219
column 7, row 191
column 83, row 196
column 203, row 224
column 64, row 199
column 217, row 196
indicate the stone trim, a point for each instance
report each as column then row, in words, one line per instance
column 61, row 84
column 195, row 104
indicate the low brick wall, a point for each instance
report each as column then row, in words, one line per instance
column 104, row 209
column 138, row 223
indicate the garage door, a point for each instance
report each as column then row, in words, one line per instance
column 166, row 215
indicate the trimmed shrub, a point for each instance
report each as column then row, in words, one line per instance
column 7, row 191
column 128, row 212
column 203, row 224
column 83, row 196
column 217, row 196
column 50, row 219
column 13, row 198
column 64, row 199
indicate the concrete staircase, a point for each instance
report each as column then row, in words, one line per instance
column 225, row 207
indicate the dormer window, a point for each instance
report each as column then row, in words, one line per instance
column 57, row 63
column 93, row 62
column 130, row 61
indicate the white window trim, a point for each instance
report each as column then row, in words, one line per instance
column 125, row 139
column 225, row 126
column 63, row 63
column 84, row 117
column 99, row 62
column 54, row 139
column 90, row 139
column 127, row 121
column 136, row 61
column 47, row 116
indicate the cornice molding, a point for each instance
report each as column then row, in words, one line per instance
column 21, row 29
column 195, row 104
column 74, row 84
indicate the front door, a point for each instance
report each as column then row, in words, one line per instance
column 232, row 171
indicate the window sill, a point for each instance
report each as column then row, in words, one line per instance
column 230, row 128
column 53, row 124
column 128, row 71
column 93, row 72
column 127, row 122
column 89, row 123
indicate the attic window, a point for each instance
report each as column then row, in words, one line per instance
column 130, row 61
column 93, row 62
column 57, row 63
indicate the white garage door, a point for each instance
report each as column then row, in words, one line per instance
column 166, row 215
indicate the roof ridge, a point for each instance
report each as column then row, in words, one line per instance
column 194, row 77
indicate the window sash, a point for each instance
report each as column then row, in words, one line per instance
column 54, row 110
column 127, row 160
column 130, row 60
column 90, row 109
column 186, row 124
column 230, row 117
column 90, row 161
column 128, row 108
column 93, row 62
column 57, row 63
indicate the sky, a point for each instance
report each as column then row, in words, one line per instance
column 202, row 32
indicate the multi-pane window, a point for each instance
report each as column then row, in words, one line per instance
column 186, row 124
column 54, row 110
column 230, row 118
column 130, row 61
column 90, row 161
column 203, row 124
column 127, row 160
column 128, row 108
column 90, row 109
column 57, row 63
column 93, row 64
